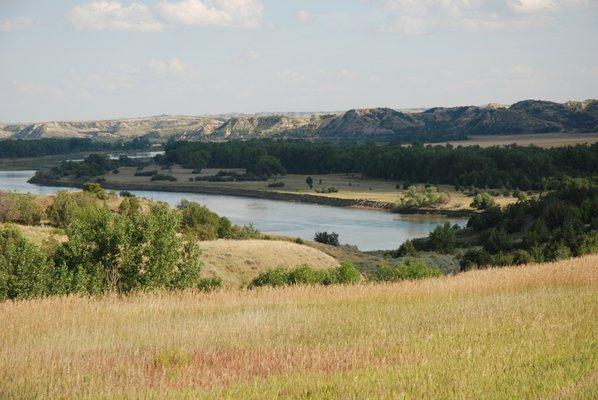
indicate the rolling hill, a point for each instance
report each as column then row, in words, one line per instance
column 525, row 117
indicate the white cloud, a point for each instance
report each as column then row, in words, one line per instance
column 239, row 13
column 172, row 66
column 423, row 16
column 112, row 15
column 304, row 16
column 15, row 24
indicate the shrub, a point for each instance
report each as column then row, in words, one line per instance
column 327, row 238
column 475, row 258
column 66, row 206
column 111, row 252
column 444, row 238
column 417, row 197
column 483, row 201
column 276, row 185
column 408, row 270
column 126, row 193
column 161, row 177
column 20, row 208
column 95, row 189
column 152, row 172
column 24, row 270
column 345, row 273
column 203, row 223
column 407, row 249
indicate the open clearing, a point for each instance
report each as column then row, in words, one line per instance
column 237, row 262
column 540, row 139
column 522, row 332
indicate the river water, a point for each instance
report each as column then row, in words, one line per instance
column 367, row 229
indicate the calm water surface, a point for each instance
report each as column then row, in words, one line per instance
column 368, row 230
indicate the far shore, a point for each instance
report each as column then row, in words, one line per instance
column 270, row 195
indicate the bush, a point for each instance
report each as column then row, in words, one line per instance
column 152, row 172
column 161, row 177
column 407, row 249
column 444, row 238
column 202, row 223
column 20, row 208
column 126, row 193
column 408, row 270
column 417, row 197
column 111, row 252
column 345, row 273
column 475, row 258
column 24, row 270
column 327, row 238
column 276, row 185
column 66, row 206
column 95, row 189
column 483, row 201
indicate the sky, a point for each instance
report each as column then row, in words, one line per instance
column 79, row 60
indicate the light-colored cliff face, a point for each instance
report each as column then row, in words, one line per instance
column 529, row 116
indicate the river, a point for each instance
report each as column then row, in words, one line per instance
column 366, row 229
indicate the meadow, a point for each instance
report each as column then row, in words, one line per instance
column 520, row 332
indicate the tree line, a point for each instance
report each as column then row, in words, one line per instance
column 21, row 148
column 527, row 168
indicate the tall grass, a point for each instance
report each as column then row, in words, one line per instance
column 524, row 332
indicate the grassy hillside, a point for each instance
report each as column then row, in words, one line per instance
column 524, row 332
column 237, row 262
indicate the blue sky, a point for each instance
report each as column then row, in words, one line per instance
column 67, row 59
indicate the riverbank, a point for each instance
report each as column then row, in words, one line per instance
column 268, row 195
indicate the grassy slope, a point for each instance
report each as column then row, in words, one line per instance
column 524, row 332
column 237, row 262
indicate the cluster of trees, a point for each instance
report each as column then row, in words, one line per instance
column 19, row 148
column 561, row 224
column 105, row 252
column 93, row 165
column 418, row 197
column 509, row 167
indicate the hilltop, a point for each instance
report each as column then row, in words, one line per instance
column 439, row 123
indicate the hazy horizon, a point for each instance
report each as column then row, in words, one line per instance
column 78, row 60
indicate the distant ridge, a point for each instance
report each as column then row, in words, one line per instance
column 528, row 116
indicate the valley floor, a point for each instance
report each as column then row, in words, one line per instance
column 522, row 332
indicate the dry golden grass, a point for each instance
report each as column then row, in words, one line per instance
column 237, row 262
column 524, row 332
column 545, row 140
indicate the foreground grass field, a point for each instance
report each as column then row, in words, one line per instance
column 523, row 332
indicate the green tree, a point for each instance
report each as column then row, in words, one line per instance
column 268, row 166
column 24, row 270
column 310, row 182
column 444, row 238
column 483, row 201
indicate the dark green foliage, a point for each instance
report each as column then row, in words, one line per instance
column 24, row 270
column 559, row 225
column 152, row 172
column 126, row 193
column 162, row 177
column 407, row 249
column 327, row 238
column 475, row 258
column 444, row 238
column 202, row 223
column 513, row 166
column 310, row 182
column 268, row 166
column 19, row 148
column 20, row 208
column 276, row 185
column 410, row 269
column 345, row 273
